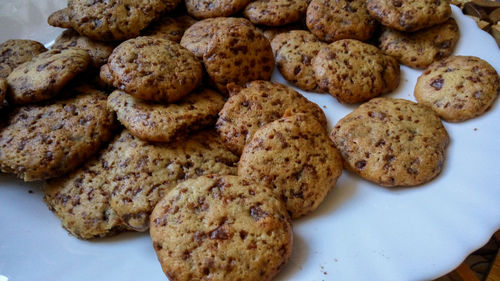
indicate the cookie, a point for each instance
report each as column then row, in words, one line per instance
column 203, row 9
column 81, row 198
column 164, row 123
column 332, row 20
column 197, row 37
column 295, row 158
column 256, row 104
column 392, row 142
column 60, row 18
column 45, row 75
column 145, row 172
column 409, row 15
column 115, row 20
column 275, row 12
column 421, row 48
column 353, row 71
column 294, row 51
column 221, row 228
column 3, row 92
column 238, row 54
column 15, row 52
column 170, row 28
column 99, row 51
column 153, row 69
column 46, row 141
column 458, row 88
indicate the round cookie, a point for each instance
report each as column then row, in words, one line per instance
column 353, row 71
column 198, row 35
column 98, row 51
column 421, row 48
column 257, row 104
column 81, row 198
column 238, row 54
column 115, row 19
column 46, row 141
column 203, row 9
column 15, row 52
column 392, row 142
column 153, row 69
column 458, row 88
column 275, row 12
column 170, row 28
column 295, row 158
column 45, row 75
column 164, row 123
column 3, row 92
column 294, row 51
column 332, row 20
column 221, row 228
column 146, row 171
column 409, row 15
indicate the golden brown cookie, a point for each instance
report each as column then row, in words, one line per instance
column 409, row 15
column 46, row 141
column 153, row 69
column 81, row 198
column 15, row 52
column 294, row 51
column 392, row 142
column 353, row 71
column 110, row 20
column 423, row 47
column 98, row 51
column 170, row 28
column 60, row 18
column 45, row 75
column 238, row 54
column 458, row 88
column 203, row 9
column 164, row 123
column 256, row 104
column 145, row 172
column 275, row 12
column 295, row 158
column 332, row 20
column 3, row 92
column 221, row 228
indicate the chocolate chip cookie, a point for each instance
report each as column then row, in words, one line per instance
column 423, row 47
column 295, row 158
column 45, row 75
column 171, row 28
column 45, row 141
column 275, row 12
column 332, row 20
column 409, row 15
column 164, row 123
column 392, row 142
column 458, row 88
column 238, row 54
column 153, row 69
column 15, row 52
column 294, row 51
column 203, row 9
column 353, row 71
column 221, row 228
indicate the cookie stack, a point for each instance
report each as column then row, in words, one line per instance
column 149, row 116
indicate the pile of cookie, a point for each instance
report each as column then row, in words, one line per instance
column 142, row 117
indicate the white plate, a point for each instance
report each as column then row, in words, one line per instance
column 360, row 232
